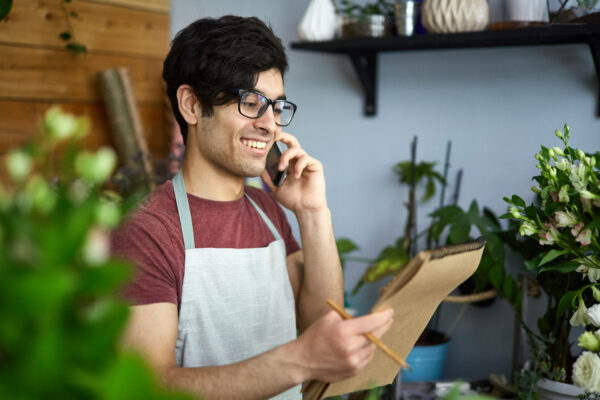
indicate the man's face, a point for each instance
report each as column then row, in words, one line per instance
column 237, row 145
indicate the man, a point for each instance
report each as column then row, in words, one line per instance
column 221, row 284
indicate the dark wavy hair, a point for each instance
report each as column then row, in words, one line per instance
column 211, row 55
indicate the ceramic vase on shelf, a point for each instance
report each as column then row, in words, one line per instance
column 450, row 16
column 527, row 10
column 553, row 390
column 318, row 22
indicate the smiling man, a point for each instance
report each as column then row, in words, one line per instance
column 221, row 285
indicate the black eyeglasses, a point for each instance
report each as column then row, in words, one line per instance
column 253, row 104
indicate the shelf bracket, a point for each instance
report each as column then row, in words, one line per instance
column 365, row 65
column 595, row 49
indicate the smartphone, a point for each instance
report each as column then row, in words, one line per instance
column 272, row 162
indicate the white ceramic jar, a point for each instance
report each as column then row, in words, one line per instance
column 450, row 16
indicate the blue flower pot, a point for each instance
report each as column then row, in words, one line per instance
column 426, row 363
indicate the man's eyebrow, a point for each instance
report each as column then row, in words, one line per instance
column 282, row 97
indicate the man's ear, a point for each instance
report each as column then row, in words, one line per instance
column 188, row 104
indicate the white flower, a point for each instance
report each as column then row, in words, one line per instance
column 593, row 315
column 586, row 372
column 586, row 194
column 19, row 164
column 589, row 341
column 549, row 236
column 558, row 151
column 97, row 247
column 584, row 237
column 577, row 177
column 563, row 165
column 565, row 218
column 593, row 274
column 527, row 229
column 578, row 317
column 596, row 293
column 563, row 194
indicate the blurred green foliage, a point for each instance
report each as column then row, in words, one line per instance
column 61, row 316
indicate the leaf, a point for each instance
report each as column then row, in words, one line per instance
column 543, row 326
column 533, row 263
column 545, row 192
column 565, row 303
column 459, row 232
column 76, row 48
column 429, row 190
column 497, row 276
column 563, row 268
column 509, row 288
column 5, row 6
column 519, row 202
column 345, row 246
column 551, row 255
column 65, row 36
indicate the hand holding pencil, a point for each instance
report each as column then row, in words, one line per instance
column 370, row 336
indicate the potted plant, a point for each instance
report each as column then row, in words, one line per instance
column 61, row 317
column 562, row 228
column 454, row 225
column 580, row 11
column 373, row 19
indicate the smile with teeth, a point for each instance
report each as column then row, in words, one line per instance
column 254, row 144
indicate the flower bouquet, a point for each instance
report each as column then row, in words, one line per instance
column 565, row 223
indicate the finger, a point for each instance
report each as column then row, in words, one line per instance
column 289, row 155
column 287, row 139
column 370, row 322
column 379, row 332
column 301, row 163
column 363, row 357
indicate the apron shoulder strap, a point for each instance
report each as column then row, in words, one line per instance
column 265, row 218
column 183, row 208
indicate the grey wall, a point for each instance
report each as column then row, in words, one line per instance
column 496, row 105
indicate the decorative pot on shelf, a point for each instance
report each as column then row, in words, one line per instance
column 552, row 390
column 451, row 16
column 318, row 22
column 527, row 10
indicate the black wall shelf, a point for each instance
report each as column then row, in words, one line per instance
column 363, row 51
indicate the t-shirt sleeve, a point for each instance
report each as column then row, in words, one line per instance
column 153, row 252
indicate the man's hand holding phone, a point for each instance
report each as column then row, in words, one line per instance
column 304, row 187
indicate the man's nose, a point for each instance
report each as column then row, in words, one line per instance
column 267, row 120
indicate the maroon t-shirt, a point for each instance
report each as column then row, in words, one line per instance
column 151, row 237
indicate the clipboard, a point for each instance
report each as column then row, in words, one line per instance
column 414, row 294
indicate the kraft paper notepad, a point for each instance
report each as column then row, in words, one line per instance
column 414, row 294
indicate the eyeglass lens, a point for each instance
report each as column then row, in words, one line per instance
column 253, row 105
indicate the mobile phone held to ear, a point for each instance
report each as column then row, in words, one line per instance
column 272, row 162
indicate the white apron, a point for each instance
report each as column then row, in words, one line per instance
column 235, row 303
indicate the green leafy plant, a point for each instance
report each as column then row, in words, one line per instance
column 354, row 10
column 61, row 318
column 565, row 223
column 394, row 257
column 5, row 6
column 68, row 36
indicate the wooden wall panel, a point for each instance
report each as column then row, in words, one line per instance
column 34, row 23
column 148, row 5
column 100, row 27
column 28, row 73
column 37, row 71
column 19, row 121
